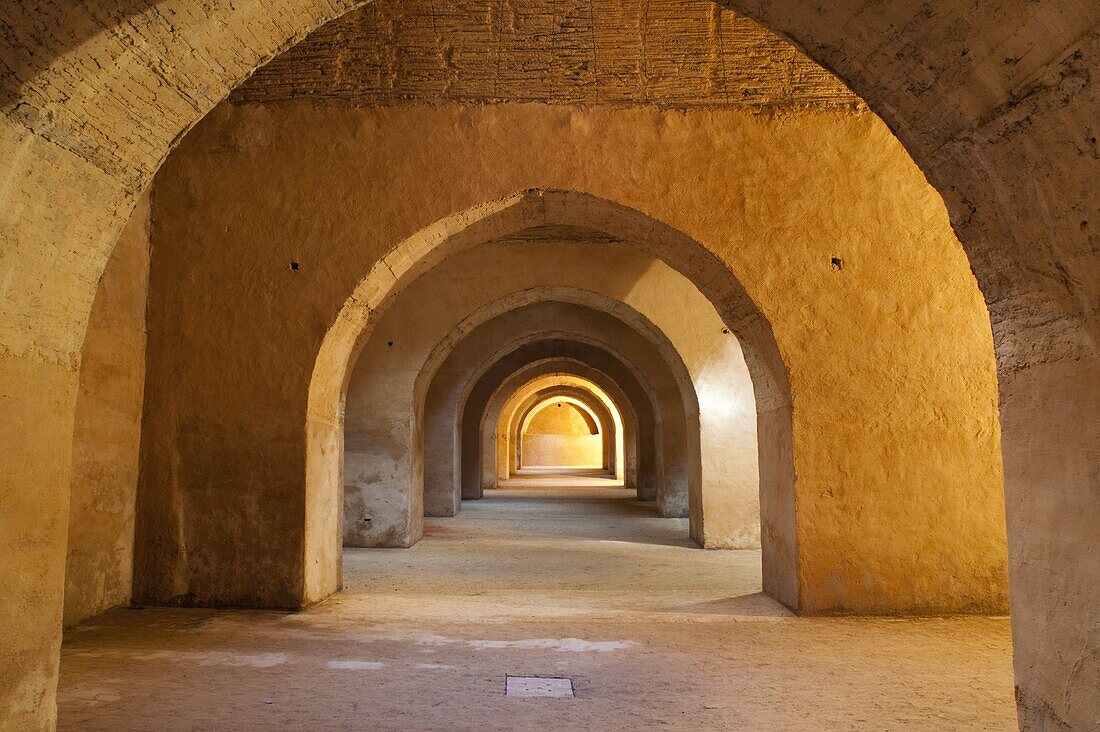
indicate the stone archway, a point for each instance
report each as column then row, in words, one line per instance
column 485, row 401
column 458, row 396
column 595, row 417
column 105, row 126
column 421, row 252
column 459, row 362
column 575, row 387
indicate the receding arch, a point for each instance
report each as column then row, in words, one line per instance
column 600, row 414
column 506, row 326
column 381, row 456
column 498, row 218
column 483, row 403
column 545, row 363
column 538, row 413
column 672, row 390
column 592, row 419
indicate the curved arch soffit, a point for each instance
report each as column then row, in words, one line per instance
column 624, row 405
column 561, row 380
column 518, row 212
column 593, row 421
column 628, row 316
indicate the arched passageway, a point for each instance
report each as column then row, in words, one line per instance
column 84, row 137
column 548, row 209
column 560, row 206
column 585, row 318
column 491, row 435
column 485, row 402
column 490, row 334
column 557, row 431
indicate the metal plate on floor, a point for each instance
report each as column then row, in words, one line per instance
column 539, row 686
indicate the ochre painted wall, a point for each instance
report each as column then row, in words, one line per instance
column 560, row 434
column 895, row 434
column 560, row 418
column 572, row 451
column 107, row 432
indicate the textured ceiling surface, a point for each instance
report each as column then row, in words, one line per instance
column 673, row 54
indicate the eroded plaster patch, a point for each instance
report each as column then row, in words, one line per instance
column 355, row 665
column 563, row 645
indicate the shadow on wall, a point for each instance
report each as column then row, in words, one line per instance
column 71, row 24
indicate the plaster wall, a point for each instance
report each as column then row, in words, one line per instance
column 107, row 431
column 564, row 420
column 895, row 434
column 381, row 443
column 560, row 437
column 570, row 451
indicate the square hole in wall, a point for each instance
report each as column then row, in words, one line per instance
column 539, row 686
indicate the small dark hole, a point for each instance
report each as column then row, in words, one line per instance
column 366, row 520
column 838, row 263
column 294, row 266
column 726, row 331
column 389, row 343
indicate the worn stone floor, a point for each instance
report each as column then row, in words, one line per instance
column 580, row 581
column 555, row 478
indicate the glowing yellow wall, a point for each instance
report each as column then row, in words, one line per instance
column 561, row 435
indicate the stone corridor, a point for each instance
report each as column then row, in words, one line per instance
column 722, row 364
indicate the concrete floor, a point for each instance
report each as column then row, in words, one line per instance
column 579, row 581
